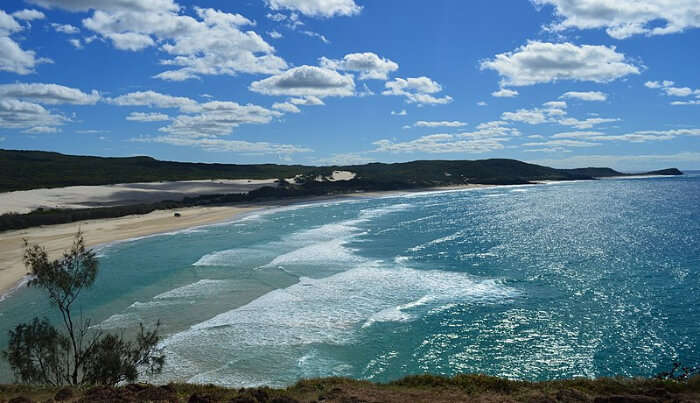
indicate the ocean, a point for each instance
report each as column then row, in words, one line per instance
column 571, row 279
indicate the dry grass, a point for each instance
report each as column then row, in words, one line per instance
column 421, row 388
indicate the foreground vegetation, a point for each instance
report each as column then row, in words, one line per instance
column 423, row 388
column 39, row 353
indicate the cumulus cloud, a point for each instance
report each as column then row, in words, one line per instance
column 402, row 112
column 541, row 62
column 21, row 105
column 52, row 94
column 586, row 123
column 42, row 130
column 317, row 8
column 286, row 107
column 217, row 118
column 505, row 93
column 345, row 159
column 65, row 28
column 13, row 58
column 210, row 42
column 440, row 144
column 147, row 117
column 423, row 123
column 154, row 99
column 488, row 136
column 16, row 114
column 224, row 145
column 641, row 136
column 368, row 64
column 417, row 90
column 585, row 96
column 275, row 35
column 308, row 100
column 559, row 144
column 668, row 88
column 553, row 112
column 624, row 18
column 29, row 15
column 305, row 81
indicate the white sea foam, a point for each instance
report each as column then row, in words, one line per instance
column 437, row 241
column 201, row 288
column 331, row 310
column 322, row 253
column 21, row 283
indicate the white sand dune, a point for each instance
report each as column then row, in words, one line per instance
column 122, row 194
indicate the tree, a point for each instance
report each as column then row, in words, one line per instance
column 39, row 353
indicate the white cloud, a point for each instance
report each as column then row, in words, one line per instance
column 223, row 145
column 154, row 99
column 218, row 118
column 624, row 18
column 316, row 35
column 417, row 90
column 345, row 159
column 147, row 117
column 20, row 105
column 586, row 123
column 52, row 94
column 555, row 105
column 369, row 65
column 481, row 103
column 668, row 87
column 541, row 62
column 505, row 93
column 561, row 143
column 309, row 100
column 440, row 144
column 423, row 123
column 42, row 130
column 29, row 15
column 16, row 114
column 577, row 134
column 402, row 112
column 317, row 8
column 585, row 96
column 12, row 57
column 65, row 28
column 553, row 112
column 286, row 107
column 75, row 43
column 641, row 136
column 211, row 42
column 275, row 35
column 306, row 81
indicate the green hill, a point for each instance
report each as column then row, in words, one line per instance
column 23, row 170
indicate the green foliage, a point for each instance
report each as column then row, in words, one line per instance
column 21, row 170
column 39, row 354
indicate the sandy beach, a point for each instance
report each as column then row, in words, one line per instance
column 58, row 238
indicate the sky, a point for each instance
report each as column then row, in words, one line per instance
column 564, row 83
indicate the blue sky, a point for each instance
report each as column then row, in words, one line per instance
column 560, row 82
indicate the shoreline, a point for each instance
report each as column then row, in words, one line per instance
column 100, row 232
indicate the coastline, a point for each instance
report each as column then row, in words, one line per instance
column 59, row 237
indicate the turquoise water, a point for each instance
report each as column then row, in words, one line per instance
column 533, row 282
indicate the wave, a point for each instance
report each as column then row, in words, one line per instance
column 334, row 310
column 437, row 241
